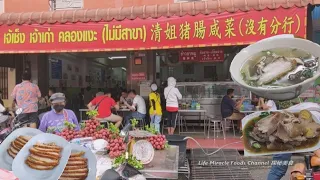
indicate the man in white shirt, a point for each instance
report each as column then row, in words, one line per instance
column 138, row 107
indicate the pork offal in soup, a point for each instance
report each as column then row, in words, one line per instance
column 279, row 67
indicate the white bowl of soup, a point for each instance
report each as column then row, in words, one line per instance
column 277, row 68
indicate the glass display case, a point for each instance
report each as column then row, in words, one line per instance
column 200, row 90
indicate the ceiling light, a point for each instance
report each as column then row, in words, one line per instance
column 118, row 57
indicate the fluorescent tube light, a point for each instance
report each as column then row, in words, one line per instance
column 117, row 57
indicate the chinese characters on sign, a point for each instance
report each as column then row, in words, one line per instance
column 216, row 55
column 138, row 76
column 140, row 34
column 188, row 55
column 202, row 55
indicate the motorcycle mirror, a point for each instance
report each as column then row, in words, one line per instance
column 19, row 111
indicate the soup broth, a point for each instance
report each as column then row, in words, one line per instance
column 279, row 67
column 311, row 142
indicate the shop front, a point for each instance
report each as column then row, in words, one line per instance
column 195, row 48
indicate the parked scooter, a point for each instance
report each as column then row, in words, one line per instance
column 8, row 124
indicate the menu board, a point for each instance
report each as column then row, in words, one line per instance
column 56, row 68
column 203, row 55
column 211, row 55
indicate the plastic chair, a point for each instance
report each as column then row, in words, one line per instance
column 163, row 120
column 215, row 124
column 183, row 123
column 232, row 124
column 141, row 123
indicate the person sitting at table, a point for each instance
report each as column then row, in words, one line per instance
column 54, row 119
column 255, row 100
column 124, row 99
column 267, row 104
column 172, row 96
column 104, row 104
column 138, row 107
column 230, row 108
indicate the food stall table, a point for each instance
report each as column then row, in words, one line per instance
column 201, row 111
column 163, row 166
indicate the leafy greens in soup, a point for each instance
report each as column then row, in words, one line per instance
column 279, row 67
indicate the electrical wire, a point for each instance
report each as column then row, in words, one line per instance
column 209, row 154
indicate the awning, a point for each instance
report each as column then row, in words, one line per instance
column 153, row 11
column 182, row 25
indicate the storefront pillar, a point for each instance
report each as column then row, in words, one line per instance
column 141, row 67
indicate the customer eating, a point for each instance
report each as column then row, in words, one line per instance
column 230, row 108
column 138, row 107
column 124, row 99
column 104, row 104
column 267, row 104
column 55, row 118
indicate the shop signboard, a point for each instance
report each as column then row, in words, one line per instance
column 188, row 55
column 211, row 55
column 138, row 76
column 223, row 29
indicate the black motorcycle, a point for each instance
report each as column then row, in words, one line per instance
column 8, row 124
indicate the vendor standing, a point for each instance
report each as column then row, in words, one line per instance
column 54, row 119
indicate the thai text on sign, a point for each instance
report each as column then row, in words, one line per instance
column 174, row 32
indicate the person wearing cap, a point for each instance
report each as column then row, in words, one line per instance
column 155, row 107
column 55, row 119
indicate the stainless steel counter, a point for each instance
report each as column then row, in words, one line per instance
column 164, row 165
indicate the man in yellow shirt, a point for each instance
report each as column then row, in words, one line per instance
column 155, row 107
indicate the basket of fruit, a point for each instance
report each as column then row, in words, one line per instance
column 143, row 151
